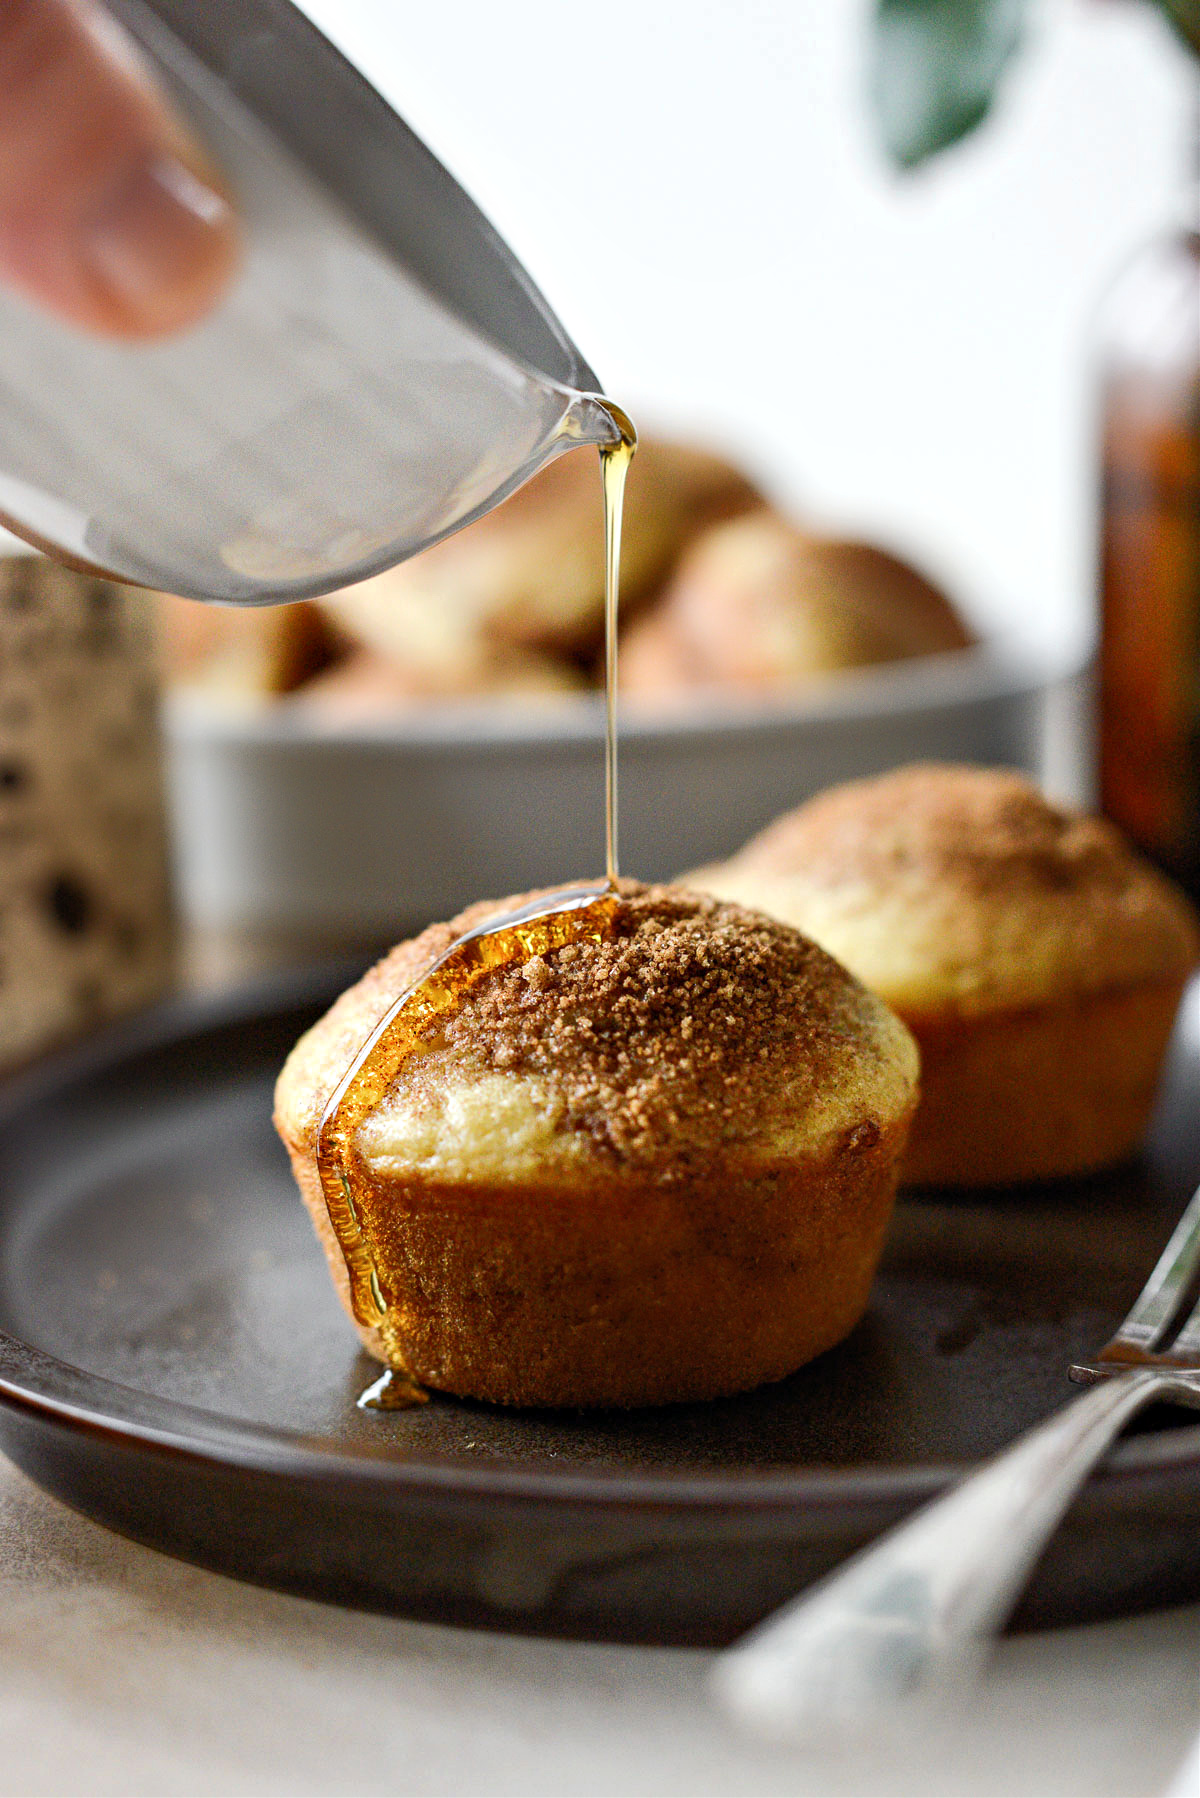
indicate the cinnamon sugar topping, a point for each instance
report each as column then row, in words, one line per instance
column 979, row 829
column 694, row 1025
column 962, row 887
column 692, row 1028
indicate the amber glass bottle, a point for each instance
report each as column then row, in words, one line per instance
column 1149, row 673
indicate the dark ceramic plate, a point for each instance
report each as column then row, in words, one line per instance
column 174, row 1364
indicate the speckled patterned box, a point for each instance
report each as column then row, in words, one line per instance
column 85, row 926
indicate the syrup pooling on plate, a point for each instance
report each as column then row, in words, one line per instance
column 411, row 1024
column 392, row 1391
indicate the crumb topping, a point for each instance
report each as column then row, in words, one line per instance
column 696, row 1026
column 983, row 829
column 693, row 1007
column 938, row 883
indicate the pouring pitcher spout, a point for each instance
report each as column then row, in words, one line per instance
column 592, row 418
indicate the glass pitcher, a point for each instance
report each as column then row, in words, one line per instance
column 381, row 372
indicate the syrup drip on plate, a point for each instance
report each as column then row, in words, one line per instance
column 412, row 1023
column 392, row 1391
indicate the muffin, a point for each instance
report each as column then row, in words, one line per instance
column 366, row 687
column 654, row 1163
column 1036, row 959
column 758, row 605
column 240, row 654
column 530, row 575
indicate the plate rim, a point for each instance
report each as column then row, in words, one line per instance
column 39, row 1384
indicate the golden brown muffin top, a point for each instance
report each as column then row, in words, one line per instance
column 962, row 888
column 697, row 1028
column 758, row 604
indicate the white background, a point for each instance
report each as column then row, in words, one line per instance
column 696, row 186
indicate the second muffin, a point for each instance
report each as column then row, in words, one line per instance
column 1038, row 962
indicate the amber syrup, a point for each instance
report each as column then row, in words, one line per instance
column 614, row 466
column 414, row 1022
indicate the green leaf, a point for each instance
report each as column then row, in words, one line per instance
column 936, row 66
column 1185, row 17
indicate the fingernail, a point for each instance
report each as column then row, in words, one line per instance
column 159, row 245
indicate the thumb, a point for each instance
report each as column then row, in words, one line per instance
column 108, row 215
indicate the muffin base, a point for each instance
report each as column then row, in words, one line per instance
column 1041, row 1093
column 632, row 1293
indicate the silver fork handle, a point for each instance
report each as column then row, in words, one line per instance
column 915, row 1611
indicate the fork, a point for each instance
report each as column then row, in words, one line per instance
column 913, row 1615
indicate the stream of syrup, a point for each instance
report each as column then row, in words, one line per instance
column 614, row 466
column 572, row 915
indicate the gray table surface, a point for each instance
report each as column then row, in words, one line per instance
column 124, row 1672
